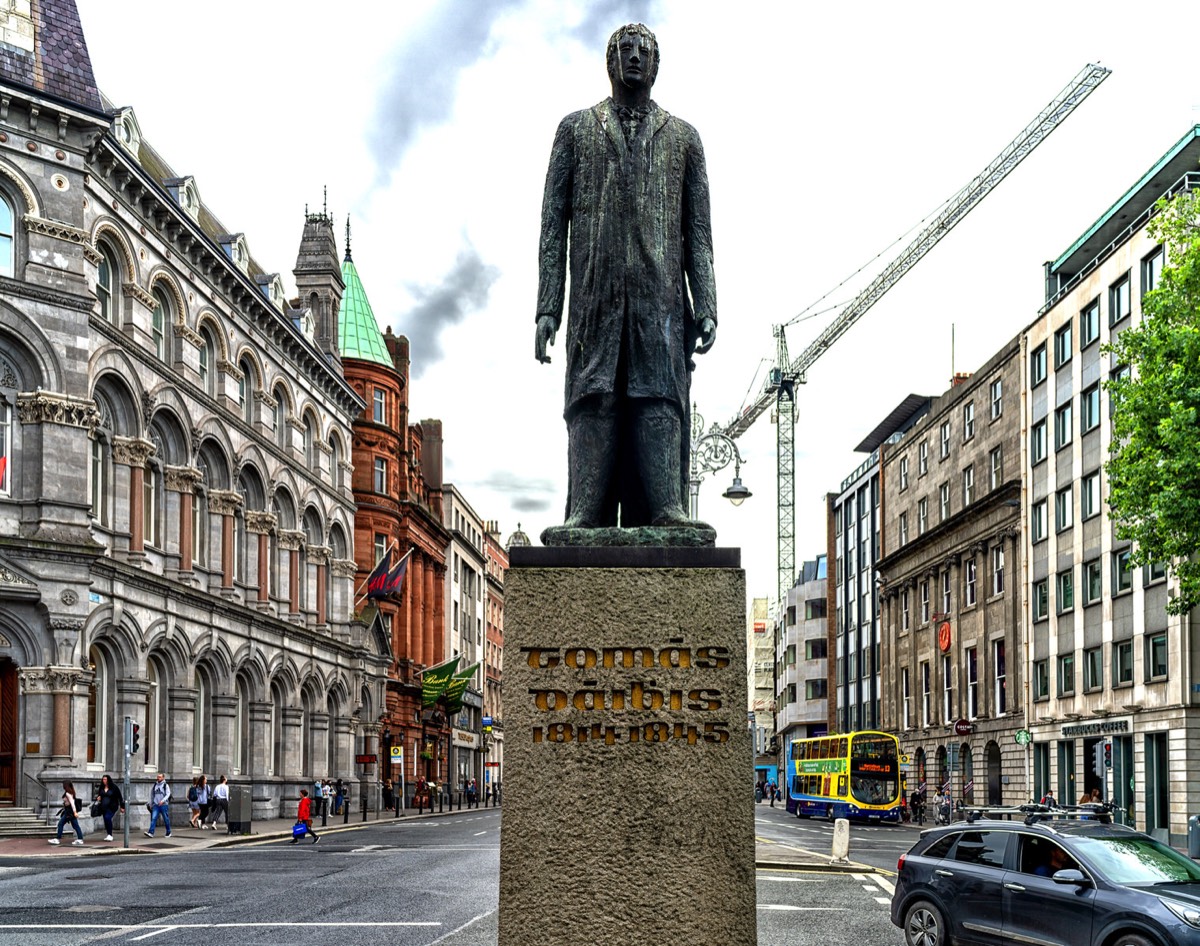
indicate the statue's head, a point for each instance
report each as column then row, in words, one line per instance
column 633, row 62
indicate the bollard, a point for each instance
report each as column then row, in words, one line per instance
column 364, row 808
column 441, row 801
column 345, row 811
column 841, row 841
column 324, row 812
column 1193, row 836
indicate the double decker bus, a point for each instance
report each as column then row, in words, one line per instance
column 848, row 775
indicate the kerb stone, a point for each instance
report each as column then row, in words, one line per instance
column 627, row 819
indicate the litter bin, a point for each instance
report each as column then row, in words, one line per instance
column 1194, row 836
column 239, row 809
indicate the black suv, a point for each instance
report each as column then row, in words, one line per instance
column 1068, row 879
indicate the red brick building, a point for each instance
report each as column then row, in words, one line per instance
column 397, row 484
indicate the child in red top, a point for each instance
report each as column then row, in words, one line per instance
column 304, row 814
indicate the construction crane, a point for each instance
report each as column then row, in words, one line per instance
column 779, row 388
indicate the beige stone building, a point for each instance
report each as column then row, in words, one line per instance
column 1106, row 662
column 951, row 627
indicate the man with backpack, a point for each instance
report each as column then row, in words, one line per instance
column 160, row 799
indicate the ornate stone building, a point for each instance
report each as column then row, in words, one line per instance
column 176, row 514
column 950, row 569
column 493, row 655
column 398, row 488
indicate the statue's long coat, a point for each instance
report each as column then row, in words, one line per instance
column 638, row 218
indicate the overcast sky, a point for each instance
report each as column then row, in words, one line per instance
column 831, row 131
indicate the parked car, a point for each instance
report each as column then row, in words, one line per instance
column 1053, row 880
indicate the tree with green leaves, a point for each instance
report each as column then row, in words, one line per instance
column 1154, row 464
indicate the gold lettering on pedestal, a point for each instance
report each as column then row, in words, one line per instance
column 638, row 696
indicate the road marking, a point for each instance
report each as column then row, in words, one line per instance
column 797, row 880
column 161, row 928
column 790, row 908
column 887, row 885
column 165, row 929
column 478, row 834
column 469, row 922
column 886, row 901
column 859, row 877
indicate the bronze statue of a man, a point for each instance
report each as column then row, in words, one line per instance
column 626, row 202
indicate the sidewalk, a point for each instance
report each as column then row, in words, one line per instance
column 185, row 838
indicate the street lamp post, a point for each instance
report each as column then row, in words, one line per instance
column 712, row 452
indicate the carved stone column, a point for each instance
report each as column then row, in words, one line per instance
column 262, row 742
column 224, row 736
column 318, row 555
column 181, row 730
column 292, row 540
column 133, row 452
column 59, row 684
column 261, row 523
column 183, row 480
column 54, row 426
column 345, row 570
column 318, row 729
column 290, row 742
column 225, row 503
column 343, row 727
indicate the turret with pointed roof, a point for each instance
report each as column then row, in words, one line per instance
column 358, row 332
column 319, row 278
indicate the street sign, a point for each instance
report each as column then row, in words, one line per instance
column 963, row 727
column 397, row 755
column 904, row 760
column 1023, row 737
column 364, row 759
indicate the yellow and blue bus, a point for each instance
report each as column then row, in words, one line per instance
column 847, row 775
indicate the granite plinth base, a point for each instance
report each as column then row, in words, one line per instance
column 626, row 816
column 693, row 535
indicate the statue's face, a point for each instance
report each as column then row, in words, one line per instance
column 635, row 61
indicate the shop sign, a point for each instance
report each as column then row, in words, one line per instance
column 464, row 739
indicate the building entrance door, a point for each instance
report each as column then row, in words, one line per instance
column 8, row 731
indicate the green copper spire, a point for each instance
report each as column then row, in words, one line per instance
column 358, row 332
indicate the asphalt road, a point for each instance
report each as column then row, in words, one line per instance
column 418, row 883
column 878, row 845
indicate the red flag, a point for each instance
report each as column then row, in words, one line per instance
column 377, row 581
column 395, row 578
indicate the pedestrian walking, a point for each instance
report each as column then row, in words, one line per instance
column 160, row 800
column 772, row 790
column 203, row 799
column 339, row 796
column 472, row 794
column 108, row 802
column 219, row 803
column 69, row 815
column 193, row 799
column 1048, row 799
column 304, row 816
column 389, row 798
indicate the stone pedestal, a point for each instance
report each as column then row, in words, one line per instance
column 627, row 816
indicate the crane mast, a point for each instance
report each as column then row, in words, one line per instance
column 779, row 388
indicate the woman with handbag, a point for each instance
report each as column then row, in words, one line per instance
column 69, row 814
column 108, row 802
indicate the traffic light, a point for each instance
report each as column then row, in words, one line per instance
column 1108, row 755
column 1098, row 757
column 135, row 739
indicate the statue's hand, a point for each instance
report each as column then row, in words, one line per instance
column 547, row 329
column 707, row 335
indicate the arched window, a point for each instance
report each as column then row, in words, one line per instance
column 152, row 493
column 156, row 714
column 100, row 708
column 158, row 322
column 280, row 417
column 310, row 442
column 208, row 361
column 276, row 729
column 201, row 730
column 335, row 462
column 241, row 728
column 107, row 282
column 8, row 398
column 246, row 390
column 7, row 245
